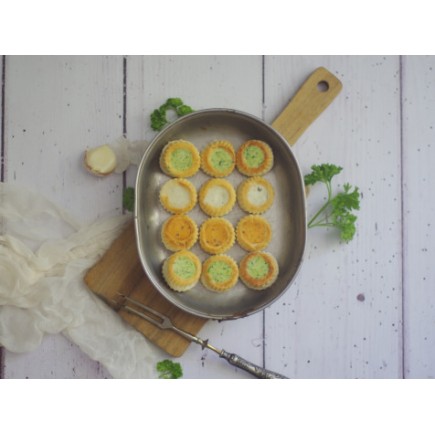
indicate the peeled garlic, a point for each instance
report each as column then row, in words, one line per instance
column 100, row 161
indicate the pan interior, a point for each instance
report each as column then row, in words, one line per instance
column 286, row 216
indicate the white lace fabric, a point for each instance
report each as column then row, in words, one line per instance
column 44, row 255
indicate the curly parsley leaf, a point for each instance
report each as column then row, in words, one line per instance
column 323, row 173
column 169, row 369
column 336, row 211
column 158, row 119
column 128, row 199
column 158, row 116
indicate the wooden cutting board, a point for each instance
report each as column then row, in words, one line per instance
column 119, row 272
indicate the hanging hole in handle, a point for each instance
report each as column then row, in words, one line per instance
column 322, row 86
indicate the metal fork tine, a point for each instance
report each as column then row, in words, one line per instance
column 144, row 316
column 165, row 321
column 149, row 309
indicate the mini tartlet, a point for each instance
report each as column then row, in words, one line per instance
column 182, row 270
column 217, row 197
column 178, row 196
column 219, row 273
column 258, row 270
column 180, row 159
column 254, row 157
column 255, row 195
column 216, row 235
column 253, row 233
column 179, row 232
column 218, row 159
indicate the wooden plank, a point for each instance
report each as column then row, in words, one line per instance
column 56, row 107
column 418, row 105
column 342, row 316
column 202, row 82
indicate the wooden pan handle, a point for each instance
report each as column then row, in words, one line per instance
column 312, row 98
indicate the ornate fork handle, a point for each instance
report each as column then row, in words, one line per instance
column 255, row 370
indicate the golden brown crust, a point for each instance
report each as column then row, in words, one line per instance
column 217, row 197
column 217, row 285
column 253, row 233
column 261, row 168
column 216, row 235
column 178, row 196
column 255, row 195
column 209, row 154
column 173, row 279
column 263, row 282
column 179, row 232
column 166, row 163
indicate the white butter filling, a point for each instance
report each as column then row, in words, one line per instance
column 178, row 196
column 216, row 196
column 257, row 195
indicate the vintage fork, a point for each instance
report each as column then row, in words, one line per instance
column 163, row 322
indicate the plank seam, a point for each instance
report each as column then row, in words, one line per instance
column 124, row 119
column 124, row 95
column 2, row 139
column 402, row 235
column 2, row 170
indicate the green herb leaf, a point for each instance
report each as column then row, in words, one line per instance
column 174, row 102
column 323, row 173
column 158, row 116
column 336, row 211
column 128, row 199
column 184, row 110
column 158, row 119
column 169, row 370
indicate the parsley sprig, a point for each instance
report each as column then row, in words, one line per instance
column 158, row 116
column 168, row 369
column 336, row 212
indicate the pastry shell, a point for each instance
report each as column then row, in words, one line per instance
column 216, row 235
column 253, row 233
column 255, row 195
column 207, row 155
column 166, row 159
column 179, row 232
column 263, row 282
column 263, row 167
column 216, row 285
column 217, row 197
column 178, row 196
column 174, row 280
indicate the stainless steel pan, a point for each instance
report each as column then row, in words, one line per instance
column 287, row 215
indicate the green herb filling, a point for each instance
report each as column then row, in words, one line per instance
column 184, row 267
column 253, row 156
column 220, row 271
column 181, row 160
column 221, row 160
column 257, row 267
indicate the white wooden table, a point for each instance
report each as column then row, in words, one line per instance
column 360, row 310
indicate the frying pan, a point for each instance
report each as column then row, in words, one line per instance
column 287, row 216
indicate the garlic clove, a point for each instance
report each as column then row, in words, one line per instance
column 100, row 160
